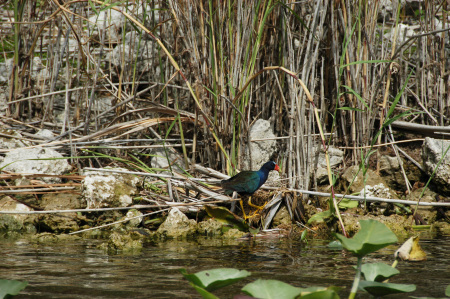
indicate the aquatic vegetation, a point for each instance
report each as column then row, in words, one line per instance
column 372, row 236
column 10, row 288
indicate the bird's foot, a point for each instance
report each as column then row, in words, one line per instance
column 243, row 211
column 255, row 213
column 255, row 206
column 245, row 216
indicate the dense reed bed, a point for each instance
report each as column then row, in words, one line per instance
column 212, row 68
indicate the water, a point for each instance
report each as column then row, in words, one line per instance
column 77, row 269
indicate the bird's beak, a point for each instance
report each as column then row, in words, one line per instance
column 277, row 168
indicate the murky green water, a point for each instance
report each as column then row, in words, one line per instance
column 80, row 270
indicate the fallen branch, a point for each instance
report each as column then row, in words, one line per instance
column 137, row 207
column 37, row 191
column 369, row 198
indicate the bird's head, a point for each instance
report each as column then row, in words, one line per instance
column 277, row 168
column 271, row 165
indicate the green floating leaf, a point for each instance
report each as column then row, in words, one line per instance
column 347, row 203
column 224, row 215
column 378, row 271
column 381, row 289
column 11, row 287
column 320, row 217
column 372, row 236
column 335, row 245
column 319, row 293
column 447, row 291
column 271, row 289
column 205, row 294
column 214, row 279
column 303, row 236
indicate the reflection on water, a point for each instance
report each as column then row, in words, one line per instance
column 80, row 270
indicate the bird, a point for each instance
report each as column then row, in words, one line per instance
column 247, row 182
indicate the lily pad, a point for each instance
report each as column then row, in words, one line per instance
column 11, row 287
column 378, row 271
column 271, row 289
column 372, row 236
column 214, row 279
column 381, row 289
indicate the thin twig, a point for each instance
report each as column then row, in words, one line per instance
column 116, row 222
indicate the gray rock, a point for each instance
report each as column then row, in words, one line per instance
column 392, row 173
column 111, row 20
column 210, row 227
column 123, row 242
column 6, row 70
column 404, row 32
column 359, row 181
column 135, row 218
column 428, row 213
column 282, row 217
column 387, row 9
column 432, row 152
column 58, row 223
column 379, row 190
column 389, row 164
column 336, row 158
column 161, row 159
column 4, row 92
column 16, row 222
column 39, row 73
column 25, row 161
column 45, row 134
column 108, row 189
column 103, row 103
column 114, row 21
column 177, row 226
column 63, row 201
column 263, row 150
column 14, row 141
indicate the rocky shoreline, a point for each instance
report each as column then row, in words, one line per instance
column 128, row 209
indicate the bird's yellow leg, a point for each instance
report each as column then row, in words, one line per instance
column 258, row 208
column 243, row 212
column 255, row 206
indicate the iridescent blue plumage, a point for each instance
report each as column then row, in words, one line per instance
column 247, row 182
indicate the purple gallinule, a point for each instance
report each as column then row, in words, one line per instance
column 247, row 182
